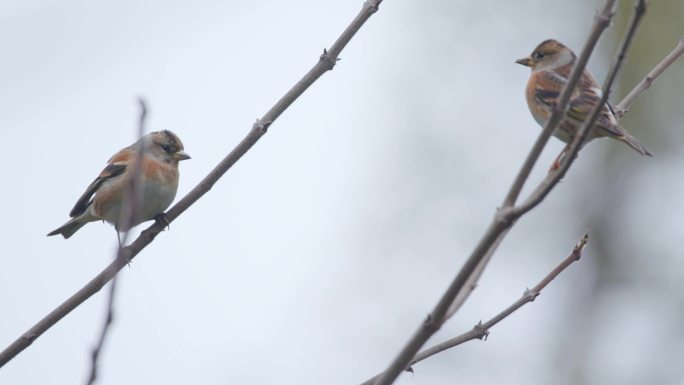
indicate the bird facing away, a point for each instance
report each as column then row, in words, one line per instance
column 551, row 63
column 157, row 184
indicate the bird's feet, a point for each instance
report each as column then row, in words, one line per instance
column 554, row 166
column 163, row 220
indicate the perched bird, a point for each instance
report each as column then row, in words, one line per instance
column 156, row 184
column 551, row 63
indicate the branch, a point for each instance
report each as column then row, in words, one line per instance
column 624, row 106
column 325, row 63
column 481, row 330
column 130, row 205
column 601, row 22
column 471, row 283
column 573, row 148
column 503, row 220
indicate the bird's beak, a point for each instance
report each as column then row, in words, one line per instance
column 526, row 61
column 181, row 155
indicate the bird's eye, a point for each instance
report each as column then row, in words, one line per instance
column 538, row 55
column 168, row 149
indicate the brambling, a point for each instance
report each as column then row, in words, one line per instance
column 157, row 183
column 551, row 63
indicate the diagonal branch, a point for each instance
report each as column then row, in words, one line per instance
column 571, row 151
column 503, row 220
column 325, row 63
column 622, row 108
column 601, row 22
column 481, row 330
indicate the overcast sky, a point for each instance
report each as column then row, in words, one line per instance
column 315, row 258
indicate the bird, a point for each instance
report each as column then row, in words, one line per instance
column 551, row 63
column 156, row 183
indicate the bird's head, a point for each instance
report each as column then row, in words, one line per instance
column 165, row 145
column 549, row 55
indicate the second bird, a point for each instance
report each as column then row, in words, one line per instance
column 551, row 63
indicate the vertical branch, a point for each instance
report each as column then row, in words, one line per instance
column 130, row 205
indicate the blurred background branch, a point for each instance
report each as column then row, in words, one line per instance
column 130, row 205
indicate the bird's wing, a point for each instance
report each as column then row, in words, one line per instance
column 112, row 170
column 582, row 106
column 548, row 87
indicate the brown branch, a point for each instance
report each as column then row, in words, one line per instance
column 601, row 22
column 471, row 283
column 131, row 204
column 503, row 220
column 624, row 106
column 573, row 148
column 325, row 63
column 481, row 330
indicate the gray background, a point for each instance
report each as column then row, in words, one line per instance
column 319, row 253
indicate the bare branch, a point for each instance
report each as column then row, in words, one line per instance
column 601, row 22
column 324, row 64
column 481, row 330
column 471, row 284
column 131, row 204
column 573, row 148
column 626, row 103
column 109, row 318
column 504, row 219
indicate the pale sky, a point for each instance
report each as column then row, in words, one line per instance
column 315, row 258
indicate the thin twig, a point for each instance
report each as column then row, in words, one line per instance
column 325, row 63
column 481, row 330
column 626, row 103
column 503, row 220
column 130, row 205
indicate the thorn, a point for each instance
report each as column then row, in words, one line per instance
column 410, row 370
column 329, row 61
column 532, row 295
column 372, row 5
column 582, row 242
column 479, row 327
column 262, row 126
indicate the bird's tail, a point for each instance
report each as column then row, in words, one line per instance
column 635, row 144
column 68, row 229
